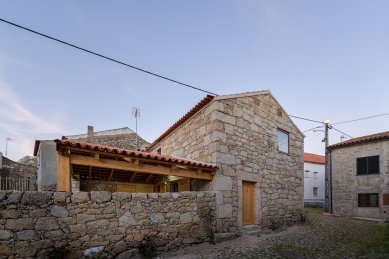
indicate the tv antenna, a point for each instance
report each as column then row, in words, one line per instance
column 136, row 114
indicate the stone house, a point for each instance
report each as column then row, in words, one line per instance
column 45, row 151
column 314, row 178
column 259, row 153
column 360, row 176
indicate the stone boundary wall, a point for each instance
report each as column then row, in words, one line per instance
column 103, row 224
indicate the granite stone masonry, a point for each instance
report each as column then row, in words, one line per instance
column 239, row 134
column 102, row 224
column 347, row 184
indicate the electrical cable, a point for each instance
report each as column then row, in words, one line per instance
column 313, row 128
column 341, row 132
column 105, row 57
column 305, row 119
column 365, row 118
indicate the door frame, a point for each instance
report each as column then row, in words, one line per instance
column 248, row 177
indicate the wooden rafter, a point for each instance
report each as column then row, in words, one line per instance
column 133, row 176
column 111, row 175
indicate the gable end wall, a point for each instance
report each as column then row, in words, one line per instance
column 240, row 136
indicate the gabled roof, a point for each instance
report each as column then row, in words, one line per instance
column 132, row 153
column 313, row 158
column 361, row 140
column 203, row 103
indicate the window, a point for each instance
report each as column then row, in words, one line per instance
column 306, row 173
column 283, row 141
column 315, row 175
column 315, row 189
column 368, row 200
column 368, row 165
column 159, row 151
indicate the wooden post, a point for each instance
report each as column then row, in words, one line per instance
column 64, row 180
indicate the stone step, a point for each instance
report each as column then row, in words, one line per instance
column 221, row 237
column 253, row 233
column 251, row 230
column 246, row 228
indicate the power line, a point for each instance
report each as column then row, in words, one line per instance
column 305, row 119
column 105, row 57
column 313, row 128
column 365, row 118
column 341, row 132
column 313, row 138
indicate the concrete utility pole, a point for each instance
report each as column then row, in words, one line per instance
column 328, row 198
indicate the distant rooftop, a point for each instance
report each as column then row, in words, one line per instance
column 313, row 158
column 92, row 133
column 361, row 140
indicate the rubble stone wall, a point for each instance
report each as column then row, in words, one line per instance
column 103, row 224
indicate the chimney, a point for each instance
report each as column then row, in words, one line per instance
column 90, row 131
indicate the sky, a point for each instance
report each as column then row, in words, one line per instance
column 320, row 59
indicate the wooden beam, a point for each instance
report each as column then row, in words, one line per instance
column 64, row 180
column 133, row 176
column 111, row 175
column 97, row 156
column 141, row 168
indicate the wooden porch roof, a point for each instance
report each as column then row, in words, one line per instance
column 92, row 161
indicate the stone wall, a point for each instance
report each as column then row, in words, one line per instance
column 126, row 141
column 103, row 224
column 240, row 136
column 346, row 184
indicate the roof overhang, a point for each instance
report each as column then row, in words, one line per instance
column 109, row 163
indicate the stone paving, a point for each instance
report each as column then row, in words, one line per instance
column 321, row 236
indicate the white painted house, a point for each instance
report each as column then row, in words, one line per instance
column 314, row 170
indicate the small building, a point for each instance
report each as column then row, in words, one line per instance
column 258, row 150
column 314, row 175
column 45, row 151
column 360, row 176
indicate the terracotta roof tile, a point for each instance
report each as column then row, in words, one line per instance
column 134, row 153
column 364, row 139
column 183, row 119
column 313, row 158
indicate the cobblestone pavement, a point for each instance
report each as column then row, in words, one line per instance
column 322, row 236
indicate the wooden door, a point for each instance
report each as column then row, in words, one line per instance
column 248, row 215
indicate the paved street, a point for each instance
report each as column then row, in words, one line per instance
column 322, row 236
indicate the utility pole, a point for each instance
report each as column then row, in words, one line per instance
column 6, row 146
column 328, row 194
column 136, row 114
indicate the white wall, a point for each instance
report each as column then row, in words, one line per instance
column 310, row 181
